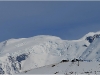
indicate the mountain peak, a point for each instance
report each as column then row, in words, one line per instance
column 91, row 36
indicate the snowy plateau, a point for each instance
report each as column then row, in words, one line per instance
column 48, row 55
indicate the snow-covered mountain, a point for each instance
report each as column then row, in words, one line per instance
column 19, row 55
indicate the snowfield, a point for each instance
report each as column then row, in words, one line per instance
column 68, row 68
column 35, row 55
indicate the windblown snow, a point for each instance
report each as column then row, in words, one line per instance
column 20, row 55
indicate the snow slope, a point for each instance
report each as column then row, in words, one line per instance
column 68, row 68
column 19, row 55
column 92, row 52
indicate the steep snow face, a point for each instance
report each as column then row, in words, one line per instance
column 92, row 52
column 18, row 55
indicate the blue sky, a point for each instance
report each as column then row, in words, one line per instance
column 65, row 19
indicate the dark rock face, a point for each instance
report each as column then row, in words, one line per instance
column 85, row 45
column 14, row 61
column 21, row 57
column 1, row 71
column 92, row 38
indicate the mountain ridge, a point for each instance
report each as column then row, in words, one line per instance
column 42, row 50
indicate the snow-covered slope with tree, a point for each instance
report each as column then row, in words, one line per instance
column 19, row 55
